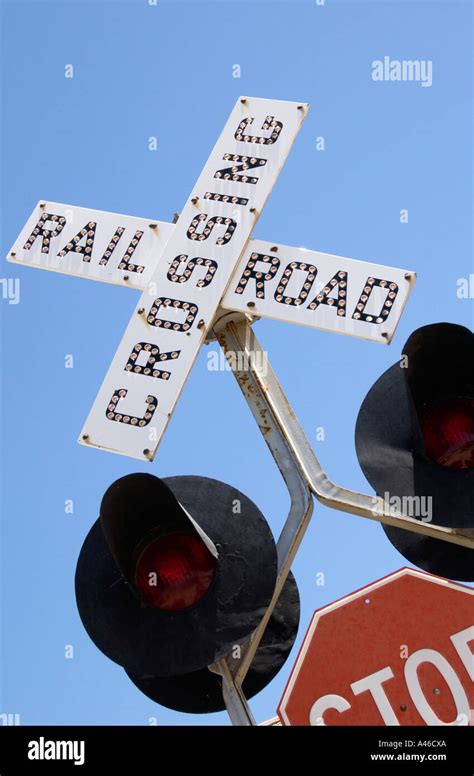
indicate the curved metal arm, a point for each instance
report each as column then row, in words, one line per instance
column 327, row 492
column 303, row 475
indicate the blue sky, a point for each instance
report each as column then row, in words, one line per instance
column 167, row 71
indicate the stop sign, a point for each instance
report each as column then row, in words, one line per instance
column 397, row 652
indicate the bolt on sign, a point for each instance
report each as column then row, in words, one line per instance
column 397, row 652
column 206, row 262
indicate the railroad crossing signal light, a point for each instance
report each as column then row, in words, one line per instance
column 176, row 574
column 201, row 691
column 415, row 444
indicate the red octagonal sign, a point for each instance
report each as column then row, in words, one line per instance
column 397, row 652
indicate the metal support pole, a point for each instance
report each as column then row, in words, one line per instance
column 303, row 475
column 234, row 699
column 239, row 339
column 271, row 395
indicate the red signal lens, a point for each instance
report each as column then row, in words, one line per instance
column 174, row 571
column 448, row 433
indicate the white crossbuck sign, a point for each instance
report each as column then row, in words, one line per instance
column 205, row 262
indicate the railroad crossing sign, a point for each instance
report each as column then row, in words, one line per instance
column 397, row 652
column 286, row 283
column 181, row 291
